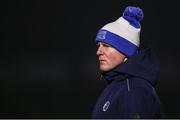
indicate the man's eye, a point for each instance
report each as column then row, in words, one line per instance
column 97, row 45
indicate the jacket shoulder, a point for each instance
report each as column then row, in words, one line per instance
column 139, row 100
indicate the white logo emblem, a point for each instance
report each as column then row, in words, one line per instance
column 101, row 35
column 106, row 106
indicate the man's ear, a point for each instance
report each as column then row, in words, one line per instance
column 125, row 59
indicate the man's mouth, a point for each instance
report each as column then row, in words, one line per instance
column 102, row 61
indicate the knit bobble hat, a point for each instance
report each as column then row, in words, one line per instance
column 124, row 33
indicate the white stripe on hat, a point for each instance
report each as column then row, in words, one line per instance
column 122, row 28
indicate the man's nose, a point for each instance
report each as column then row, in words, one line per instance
column 99, row 50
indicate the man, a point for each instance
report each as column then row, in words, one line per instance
column 131, row 72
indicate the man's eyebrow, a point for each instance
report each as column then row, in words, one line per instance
column 106, row 44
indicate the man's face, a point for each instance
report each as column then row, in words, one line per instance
column 109, row 57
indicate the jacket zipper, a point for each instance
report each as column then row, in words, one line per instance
column 128, row 84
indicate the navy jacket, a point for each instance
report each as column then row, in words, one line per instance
column 130, row 91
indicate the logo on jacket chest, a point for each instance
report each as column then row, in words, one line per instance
column 106, row 105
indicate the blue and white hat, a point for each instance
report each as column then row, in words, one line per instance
column 124, row 33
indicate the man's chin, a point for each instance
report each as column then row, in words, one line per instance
column 103, row 69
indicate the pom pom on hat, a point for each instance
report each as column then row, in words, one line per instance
column 134, row 12
column 133, row 15
column 124, row 33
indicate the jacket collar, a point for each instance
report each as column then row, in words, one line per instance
column 114, row 75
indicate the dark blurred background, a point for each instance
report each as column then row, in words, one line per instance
column 48, row 66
